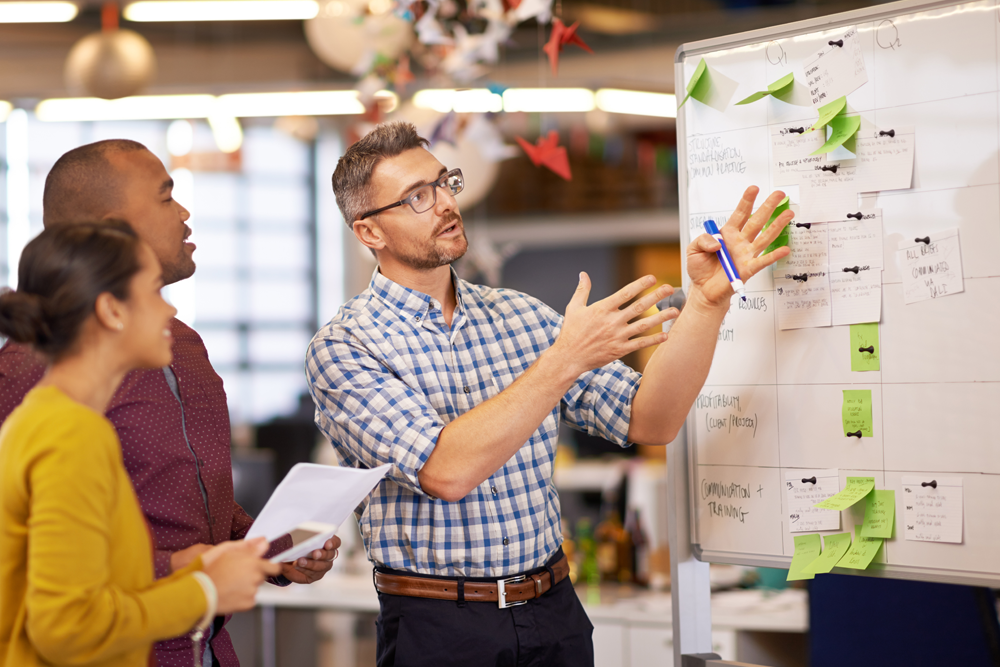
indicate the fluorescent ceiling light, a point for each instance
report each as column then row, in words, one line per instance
column 473, row 100
column 309, row 103
column 37, row 12
column 5, row 109
column 221, row 10
column 146, row 107
column 635, row 102
column 548, row 99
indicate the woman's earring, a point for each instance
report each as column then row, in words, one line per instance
column 120, row 326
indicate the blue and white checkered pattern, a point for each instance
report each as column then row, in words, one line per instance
column 387, row 375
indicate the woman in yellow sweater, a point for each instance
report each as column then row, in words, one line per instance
column 76, row 560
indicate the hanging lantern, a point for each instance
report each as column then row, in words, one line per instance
column 111, row 63
column 355, row 35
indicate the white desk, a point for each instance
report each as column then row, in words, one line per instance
column 633, row 630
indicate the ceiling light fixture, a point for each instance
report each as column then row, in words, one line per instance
column 550, row 100
column 5, row 109
column 37, row 12
column 220, row 10
column 663, row 105
column 308, row 103
column 472, row 100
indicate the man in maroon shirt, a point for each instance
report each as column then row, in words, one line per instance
column 173, row 422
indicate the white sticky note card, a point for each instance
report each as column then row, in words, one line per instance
column 810, row 248
column 885, row 159
column 802, row 299
column 805, row 488
column 856, row 297
column 933, row 508
column 856, row 240
column 931, row 266
column 828, row 193
column 791, row 148
column 836, row 70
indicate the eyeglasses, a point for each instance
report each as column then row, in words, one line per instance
column 425, row 197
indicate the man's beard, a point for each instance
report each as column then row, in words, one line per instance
column 433, row 256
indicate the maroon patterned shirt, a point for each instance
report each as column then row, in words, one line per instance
column 155, row 430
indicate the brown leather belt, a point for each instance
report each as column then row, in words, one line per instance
column 505, row 592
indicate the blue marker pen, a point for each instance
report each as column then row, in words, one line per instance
column 726, row 261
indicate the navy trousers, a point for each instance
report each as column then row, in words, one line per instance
column 549, row 631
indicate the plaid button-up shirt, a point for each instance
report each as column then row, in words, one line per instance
column 388, row 374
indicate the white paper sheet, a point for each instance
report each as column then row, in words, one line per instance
column 857, row 242
column 828, row 193
column 805, row 488
column 835, row 70
column 933, row 513
column 802, row 302
column 809, row 244
column 791, row 150
column 931, row 269
column 856, row 298
column 886, row 162
column 314, row 493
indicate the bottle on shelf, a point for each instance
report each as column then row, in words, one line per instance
column 590, row 572
column 640, row 561
column 608, row 535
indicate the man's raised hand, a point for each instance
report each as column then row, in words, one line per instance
column 745, row 241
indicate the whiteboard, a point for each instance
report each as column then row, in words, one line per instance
column 936, row 398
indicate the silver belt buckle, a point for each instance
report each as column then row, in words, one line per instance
column 502, row 591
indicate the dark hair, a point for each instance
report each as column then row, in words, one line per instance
column 83, row 184
column 61, row 273
column 353, row 175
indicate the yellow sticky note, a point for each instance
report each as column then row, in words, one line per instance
column 699, row 85
column 834, row 548
column 880, row 510
column 828, row 112
column 855, row 489
column 864, row 347
column 807, row 549
column 842, row 129
column 776, row 88
column 862, row 551
column 857, row 413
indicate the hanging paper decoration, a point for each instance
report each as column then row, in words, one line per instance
column 548, row 153
column 111, row 63
column 354, row 35
column 560, row 37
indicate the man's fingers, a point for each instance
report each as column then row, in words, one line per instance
column 629, row 292
column 648, row 301
column 646, row 341
column 581, row 294
column 766, row 237
column 759, row 263
column 744, row 209
column 762, row 215
column 640, row 327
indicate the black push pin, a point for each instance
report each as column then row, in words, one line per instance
column 797, row 130
column 811, row 480
column 838, row 42
column 926, row 240
column 890, row 133
column 853, row 269
column 856, row 434
column 932, row 483
column 801, row 277
column 833, row 168
column 855, row 215
column 806, row 225
column 870, row 349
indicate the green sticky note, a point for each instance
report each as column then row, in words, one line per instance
column 880, row 510
column 699, row 85
column 782, row 238
column 834, row 548
column 864, row 347
column 842, row 128
column 828, row 112
column 862, row 551
column 856, row 489
column 857, row 412
column 807, row 549
column 775, row 88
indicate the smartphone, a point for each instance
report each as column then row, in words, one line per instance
column 306, row 537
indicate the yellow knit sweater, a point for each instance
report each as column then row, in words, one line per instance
column 76, row 562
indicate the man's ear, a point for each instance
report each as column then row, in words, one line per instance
column 369, row 233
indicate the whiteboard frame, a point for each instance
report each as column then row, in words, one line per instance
column 694, row 49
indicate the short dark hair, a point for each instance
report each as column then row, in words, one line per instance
column 83, row 185
column 353, row 175
column 61, row 273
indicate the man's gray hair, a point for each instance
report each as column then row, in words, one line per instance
column 353, row 175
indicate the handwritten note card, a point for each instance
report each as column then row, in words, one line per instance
column 933, row 508
column 864, row 347
column 810, row 246
column 857, row 240
column 856, row 296
column 931, row 266
column 857, row 412
column 837, row 69
column 834, row 548
column 802, row 298
column 828, row 192
column 805, row 488
column 880, row 510
column 885, row 159
column 807, row 549
column 856, row 489
column 863, row 550
column 791, row 148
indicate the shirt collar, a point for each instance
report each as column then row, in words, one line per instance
column 409, row 302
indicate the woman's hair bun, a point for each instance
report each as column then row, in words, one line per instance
column 22, row 318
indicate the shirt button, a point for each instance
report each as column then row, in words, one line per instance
column 494, row 490
column 506, row 541
column 466, row 390
column 417, row 318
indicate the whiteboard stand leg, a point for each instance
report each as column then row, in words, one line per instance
column 690, row 591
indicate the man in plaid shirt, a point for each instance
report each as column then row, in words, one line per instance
column 462, row 389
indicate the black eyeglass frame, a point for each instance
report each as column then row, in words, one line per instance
column 439, row 183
